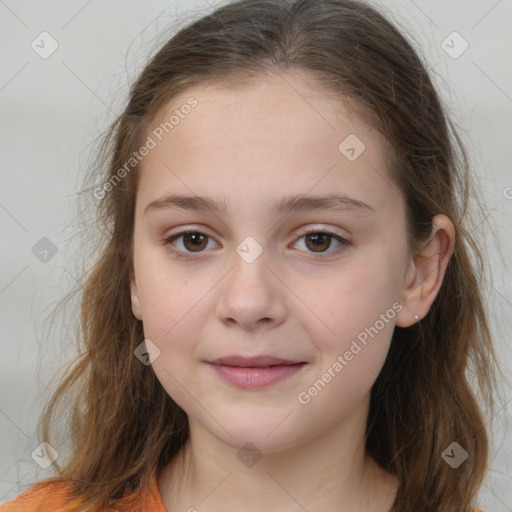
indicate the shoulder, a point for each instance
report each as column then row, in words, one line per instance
column 46, row 495
column 55, row 495
column 474, row 509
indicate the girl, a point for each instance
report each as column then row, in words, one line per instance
column 285, row 310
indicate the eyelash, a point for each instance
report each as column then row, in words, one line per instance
column 191, row 256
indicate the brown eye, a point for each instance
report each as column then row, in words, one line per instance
column 321, row 243
column 194, row 241
column 188, row 243
column 318, row 242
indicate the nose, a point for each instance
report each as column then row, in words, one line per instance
column 252, row 295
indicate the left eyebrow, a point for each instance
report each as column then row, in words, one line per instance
column 328, row 202
column 286, row 204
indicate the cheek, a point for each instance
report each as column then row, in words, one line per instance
column 352, row 357
column 166, row 297
column 171, row 314
column 173, row 320
column 356, row 314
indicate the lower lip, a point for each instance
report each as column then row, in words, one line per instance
column 256, row 377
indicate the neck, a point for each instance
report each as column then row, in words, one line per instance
column 330, row 472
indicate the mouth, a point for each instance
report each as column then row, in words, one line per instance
column 255, row 372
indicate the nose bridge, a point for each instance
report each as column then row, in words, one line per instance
column 251, row 292
column 249, row 264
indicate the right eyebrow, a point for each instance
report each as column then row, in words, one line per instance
column 186, row 203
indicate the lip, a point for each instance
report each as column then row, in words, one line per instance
column 258, row 361
column 255, row 372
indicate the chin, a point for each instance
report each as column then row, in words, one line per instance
column 266, row 434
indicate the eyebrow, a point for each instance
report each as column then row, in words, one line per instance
column 287, row 204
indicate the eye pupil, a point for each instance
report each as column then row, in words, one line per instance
column 319, row 241
column 195, row 238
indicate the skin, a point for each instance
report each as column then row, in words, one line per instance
column 249, row 146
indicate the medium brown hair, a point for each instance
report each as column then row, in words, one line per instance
column 125, row 427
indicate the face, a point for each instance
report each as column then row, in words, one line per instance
column 296, row 252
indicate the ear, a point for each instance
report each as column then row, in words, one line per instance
column 136, row 308
column 426, row 272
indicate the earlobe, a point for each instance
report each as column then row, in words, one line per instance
column 136, row 308
column 427, row 272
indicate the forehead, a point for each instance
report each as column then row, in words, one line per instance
column 263, row 106
column 283, row 131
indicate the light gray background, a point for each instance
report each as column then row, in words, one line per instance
column 52, row 109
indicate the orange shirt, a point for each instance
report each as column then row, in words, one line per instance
column 53, row 497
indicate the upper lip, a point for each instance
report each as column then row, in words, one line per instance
column 246, row 362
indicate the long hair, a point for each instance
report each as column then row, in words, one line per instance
column 124, row 427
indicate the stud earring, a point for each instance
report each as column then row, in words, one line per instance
column 416, row 317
